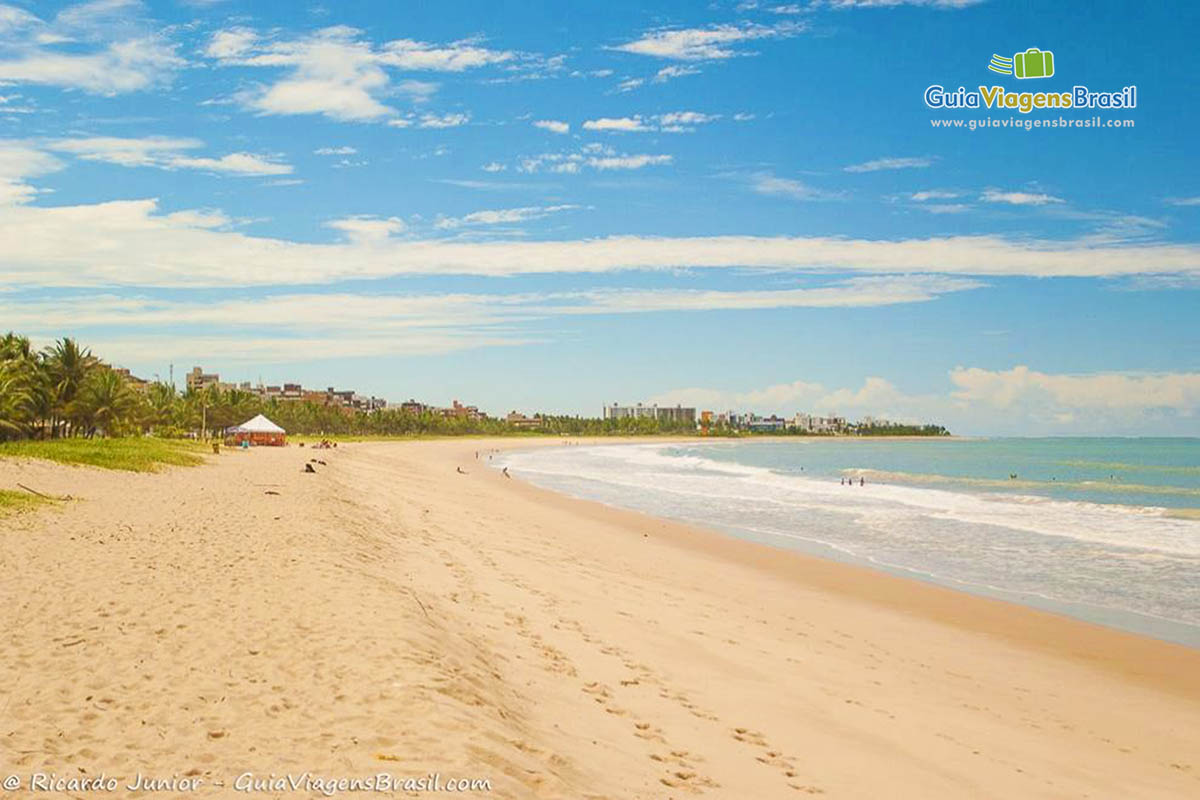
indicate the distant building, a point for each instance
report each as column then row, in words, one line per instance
column 769, row 424
column 198, row 380
column 459, row 411
column 413, row 407
column 811, row 423
column 133, row 380
column 674, row 414
column 518, row 420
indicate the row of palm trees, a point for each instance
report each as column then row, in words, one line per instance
column 60, row 391
column 63, row 390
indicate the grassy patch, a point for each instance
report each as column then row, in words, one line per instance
column 135, row 454
column 12, row 501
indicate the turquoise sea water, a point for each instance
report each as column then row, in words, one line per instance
column 1103, row 529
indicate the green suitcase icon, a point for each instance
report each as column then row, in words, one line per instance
column 1033, row 63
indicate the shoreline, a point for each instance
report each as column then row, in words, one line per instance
column 389, row 612
column 1121, row 620
column 1171, row 664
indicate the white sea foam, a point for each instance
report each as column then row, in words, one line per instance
column 647, row 466
column 1103, row 558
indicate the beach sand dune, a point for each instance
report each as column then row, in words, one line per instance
column 389, row 613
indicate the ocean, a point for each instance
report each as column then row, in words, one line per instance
column 1103, row 529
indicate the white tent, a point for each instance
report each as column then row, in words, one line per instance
column 259, row 424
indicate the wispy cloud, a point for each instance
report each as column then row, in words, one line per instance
column 1183, row 201
column 102, row 46
column 1022, row 386
column 552, row 125
column 706, row 44
column 592, row 156
column 890, row 163
column 1018, row 198
column 166, row 153
column 346, row 324
column 935, row 194
column 501, row 216
column 944, row 4
column 770, row 184
column 131, row 242
column 671, row 122
column 674, row 71
column 429, row 120
column 338, row 73
column 1027, row 399
column 368, row 229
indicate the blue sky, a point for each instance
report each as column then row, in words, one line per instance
column 552, row 206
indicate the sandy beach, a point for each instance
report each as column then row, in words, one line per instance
column 391, row 614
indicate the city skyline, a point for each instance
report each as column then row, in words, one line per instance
column 735, row 206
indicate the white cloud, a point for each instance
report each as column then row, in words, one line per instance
column 430, row 120
column 552, row 125
column 627, row 162
column 946, row 4
column 935, row 194
column 945, row 208
column 875, row 397
column 494, row 166
column 890, row 163
column 232, row 43
column 629, row 84
column 101, row 47
column 452, row 120
column 852, row 293
column 166, row 153
column 19, row 161
column 766, row 183
column 368, row 230
column 671, row 122
column 622, row 124
column 704, row 44
column 1021, row 387
column 593, row 156
column 348, row 322
column 1018, row 198
column 344, row 150
column 130, row 242
column 120, row 67
column 674, row 71
column 1183, row 201
column 1017, row 400
column 500, row 216
column 338, row 73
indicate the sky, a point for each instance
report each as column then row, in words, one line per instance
column 555, row 206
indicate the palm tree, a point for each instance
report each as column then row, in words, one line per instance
column 163, row 402
column 104, row 402
column 16, row 402
column 67, row 367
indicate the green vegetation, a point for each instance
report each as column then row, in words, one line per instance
column 60, row 402
column 56, row 403
column 901, row 430
column 12, row 502
column 135, row 453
